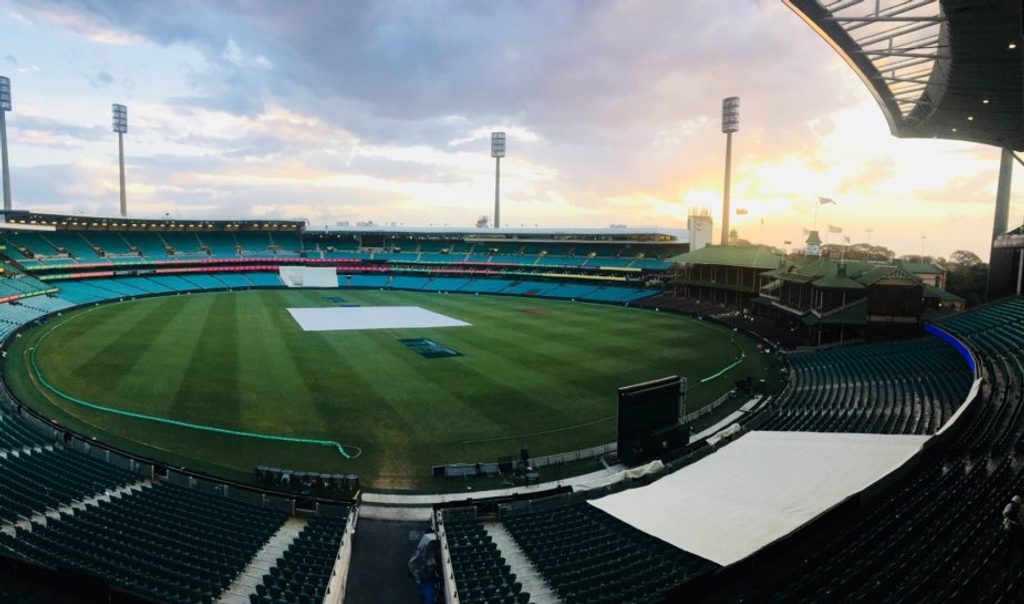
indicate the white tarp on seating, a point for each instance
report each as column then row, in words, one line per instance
column 309, row 276
column 291, row 276
column 370, row 317
column 758, row 489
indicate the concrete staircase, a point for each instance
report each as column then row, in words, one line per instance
column 246, row 581
column 526, row 573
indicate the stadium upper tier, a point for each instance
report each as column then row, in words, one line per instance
column 47, row 243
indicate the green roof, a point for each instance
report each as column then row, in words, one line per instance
column 920, row 268
column 851, row 274
column 852, row 314
column 838, row 281
column 930, row 291
column 744, row 256
column 856, row 313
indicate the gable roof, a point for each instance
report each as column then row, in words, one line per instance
column 743, row 256
column 920, row 268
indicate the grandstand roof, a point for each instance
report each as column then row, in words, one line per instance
column 950, row 69
column 745, row 256
column 27, row 220
column 15, row 219
column 614, row 233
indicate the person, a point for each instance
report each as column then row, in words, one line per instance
column 1013, row 516
column 423, row 567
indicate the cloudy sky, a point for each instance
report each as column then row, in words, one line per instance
column 348, row 111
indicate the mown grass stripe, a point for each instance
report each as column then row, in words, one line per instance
column 356, row 451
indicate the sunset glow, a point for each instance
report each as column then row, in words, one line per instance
column 340, row 112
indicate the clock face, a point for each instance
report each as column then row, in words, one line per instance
column 813, row 249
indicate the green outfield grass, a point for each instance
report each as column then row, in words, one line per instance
column 539, row 372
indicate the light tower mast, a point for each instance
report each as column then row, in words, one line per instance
column 730, row 124
column 497, row 152
column 120, row 122
column 5, row 106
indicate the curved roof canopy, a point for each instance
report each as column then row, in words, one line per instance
column 949, row 69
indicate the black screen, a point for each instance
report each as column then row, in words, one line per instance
column 647, row 407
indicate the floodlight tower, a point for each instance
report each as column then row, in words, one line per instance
column 730, row 124
column 497, row 152
column 120, row 121
column 5, row 106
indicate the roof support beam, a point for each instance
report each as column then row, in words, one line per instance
column 866, row 20
column 895, row 32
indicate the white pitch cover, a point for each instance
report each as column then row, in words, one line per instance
column 370, row 317
column 758, row 489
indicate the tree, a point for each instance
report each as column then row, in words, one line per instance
column 967, row 276
column 964, row 258
column 858, row 251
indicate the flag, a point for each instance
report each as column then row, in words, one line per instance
column 787, row 243
column 846, row 238
column 824, row 201
column 834, row 229
column 741, row 211
column 806, row 232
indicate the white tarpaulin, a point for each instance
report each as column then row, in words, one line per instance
column 758, row 489
column 370, row 317
column 309, row 276
column 633, row 473
column 291, row 276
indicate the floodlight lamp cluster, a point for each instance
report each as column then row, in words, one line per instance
column 5, row 94
column 731, row 114
column 497, row 144
column 120, row 118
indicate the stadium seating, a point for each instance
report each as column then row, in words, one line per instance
column 150, row 245
column 589, row 556
column 481, row 574
column 183, row 244
column 253, row 244
column 42, row 480
column 909, row 387
column 233, row 280
column 221, row 245
column 264, row 279
column 363, row 281
column 302, row 573
column 14, row 434
column 45, row 304
column 199, row 281
column 166, row 542
column 112, row 244
column 486, row 286
column 937, row 537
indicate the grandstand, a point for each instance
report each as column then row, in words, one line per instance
column 822, row 300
